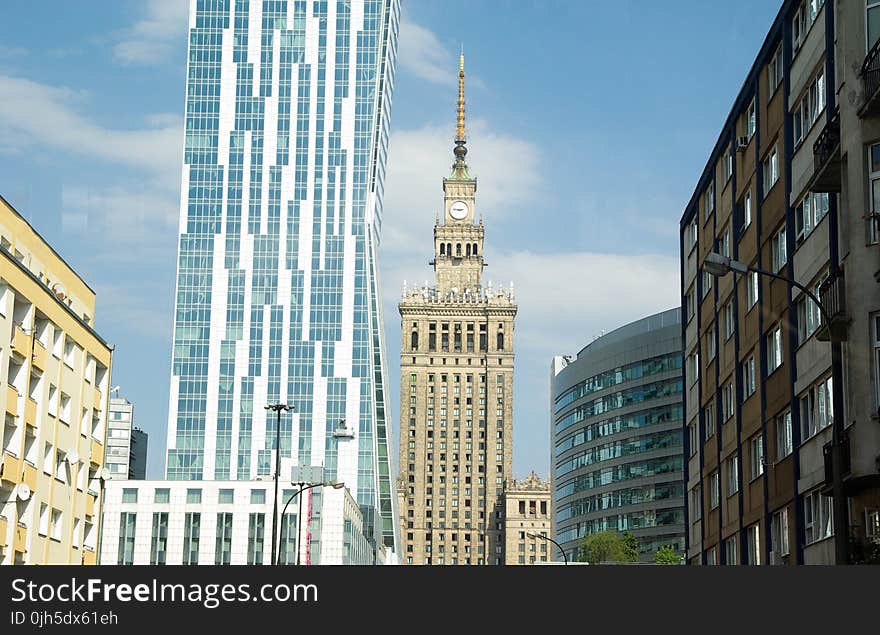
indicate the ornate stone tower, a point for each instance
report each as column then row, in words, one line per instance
column 456, row 390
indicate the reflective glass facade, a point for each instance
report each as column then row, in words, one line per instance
column 287, row 113
column 617, row 446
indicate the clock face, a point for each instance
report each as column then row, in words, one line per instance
column 458, row 210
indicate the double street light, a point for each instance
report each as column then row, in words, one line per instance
column 276, row 555
column 717, row 265
column 278, row 408
column 546, row 537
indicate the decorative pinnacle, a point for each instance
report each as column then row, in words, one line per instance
column 460, row 134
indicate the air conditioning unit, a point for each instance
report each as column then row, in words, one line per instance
column 742, row 143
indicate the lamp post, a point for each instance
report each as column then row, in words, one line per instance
column 302, row 487
column 717, row 265
column 545, row 537
column 277, row 408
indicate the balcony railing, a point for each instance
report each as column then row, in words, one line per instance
column 826, row 158
column 870, row 74
column 832, row 294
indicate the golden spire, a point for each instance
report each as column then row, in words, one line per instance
column 460, row 136
column 459, row 168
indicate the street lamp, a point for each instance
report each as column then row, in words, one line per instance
column 546, row 537
column 302, row 487
column 717, row 265
column 278, row 408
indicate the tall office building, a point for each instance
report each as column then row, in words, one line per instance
column 456, row 390
column 617, row 442
column 287, row 115
column 777, row 385
column 126, row 444
column 55, row 375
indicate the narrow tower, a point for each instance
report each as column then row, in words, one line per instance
column 456, row 389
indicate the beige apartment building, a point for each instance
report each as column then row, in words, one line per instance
column 456, row 390
column 54, row 379
column 774, row 388
column 527, row 521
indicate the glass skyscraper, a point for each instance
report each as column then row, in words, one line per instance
column 287, row 114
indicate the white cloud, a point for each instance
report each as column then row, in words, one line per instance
column 46, row 115
column 118, row 210
column 151, row 39
column 507, row 170
column 421, row 53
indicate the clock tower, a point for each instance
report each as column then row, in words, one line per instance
column 458, row 239
column 456, row 390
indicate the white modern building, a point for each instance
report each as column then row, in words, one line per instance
column 126, row 453
column 277, row 300
column 230, row 522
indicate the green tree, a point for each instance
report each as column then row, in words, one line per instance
column 609, row 546
column 666, row 555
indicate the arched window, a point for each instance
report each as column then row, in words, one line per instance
column 449, row 249
column 500, row 342
column 458, row 249
column 442, row 249
column 475, row 249
column 468, row 250
column 414, row 341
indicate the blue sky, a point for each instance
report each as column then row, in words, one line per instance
column 589, row 124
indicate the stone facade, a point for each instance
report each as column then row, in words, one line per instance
column 528, row 515
column 456, row 408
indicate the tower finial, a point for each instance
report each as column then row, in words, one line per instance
column 460, row 134
column 459, row 168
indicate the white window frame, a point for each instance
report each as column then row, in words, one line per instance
column 728, row 402
column 714, row 489
column 729, row 320
column 731, row 547
column 818, row 517
column 748, row 377
column 709, row 420
column 809, row 317
column 817, row 408
column 784, row 445
column 707, row 283
column 778, row 250
column 751, row 121
column 771, row 169
column 870, row 6
column 732, row 475
column 774, row 71
column 697, row 502
column 809, row 108
column 756, row 456
column 872, row 218
column 779, row 535
column 775, row 349
column 753, row 538
column 808, row 213
column 693, row 438
column 747, row 210
column 710, row 344
column 751, row 290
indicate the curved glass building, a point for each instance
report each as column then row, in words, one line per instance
column 616, row 416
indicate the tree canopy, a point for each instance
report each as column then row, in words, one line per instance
column 609, row 547
column 666, row 555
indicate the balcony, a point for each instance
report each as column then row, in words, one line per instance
column 97, row 453
column 30, row 412
column 21, row 342
column 826, row 158
column 39, row 356
column 11, row 400
column 870, row 74
column 29, row 476
column 832, row 294
column 89, row 557
column 19, row 540
column 10, row 469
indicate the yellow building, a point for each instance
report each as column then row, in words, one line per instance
column 54, row 387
